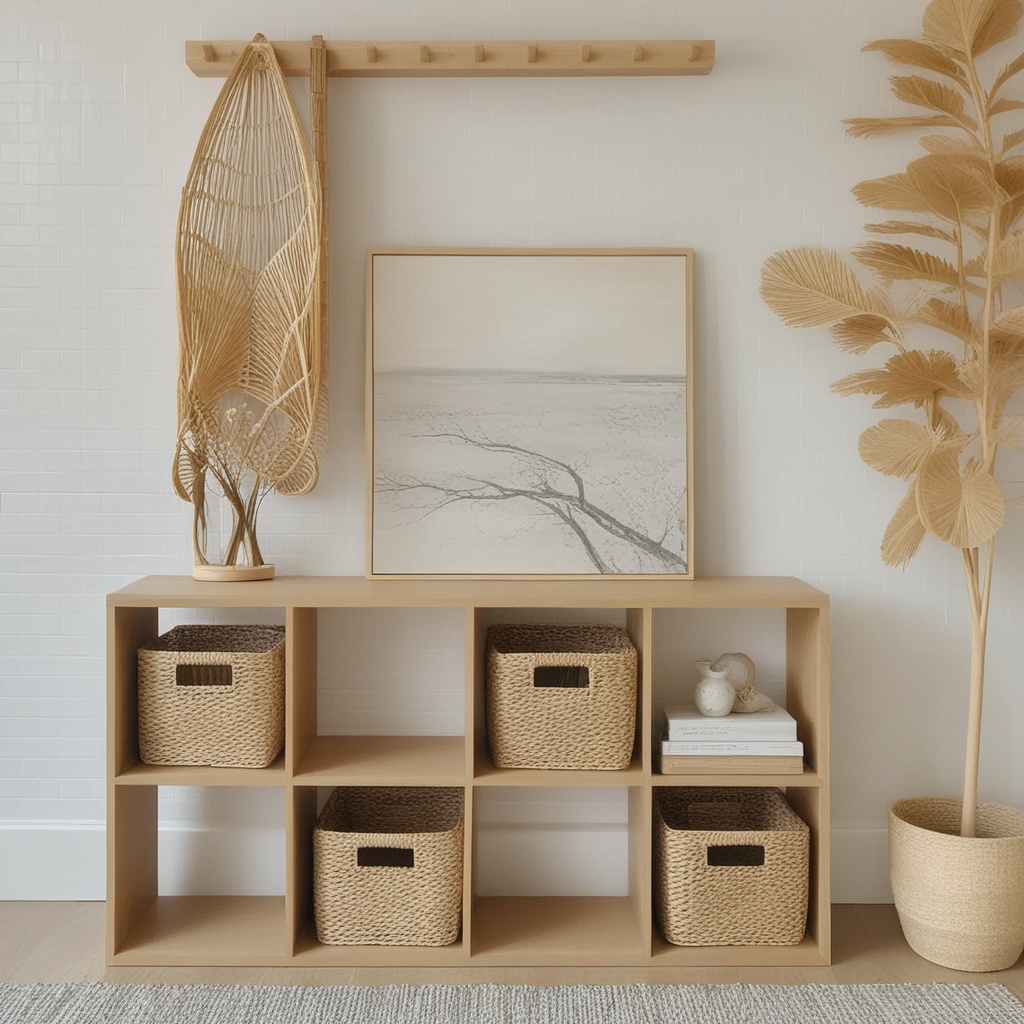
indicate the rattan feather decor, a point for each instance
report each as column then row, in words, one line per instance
column 251, row 293
column 944, row 310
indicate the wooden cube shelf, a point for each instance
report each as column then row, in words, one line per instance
column 144, row 927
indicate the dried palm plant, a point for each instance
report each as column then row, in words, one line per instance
column 252, row 406
column 964, row 199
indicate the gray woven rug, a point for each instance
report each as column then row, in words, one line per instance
column 509, row 1004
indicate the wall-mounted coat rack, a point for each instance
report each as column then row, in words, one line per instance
column 215, row 59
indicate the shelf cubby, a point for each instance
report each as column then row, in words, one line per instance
column 790, row 633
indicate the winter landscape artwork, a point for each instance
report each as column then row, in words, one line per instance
column 528, row 412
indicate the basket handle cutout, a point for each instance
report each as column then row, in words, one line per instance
column 203, row 675
column 735, row 856
column 564, row 677
column 384, row 857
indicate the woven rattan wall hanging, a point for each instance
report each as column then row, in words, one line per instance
column 252, row 257
column 251, row 287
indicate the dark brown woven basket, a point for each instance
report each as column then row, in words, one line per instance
column 212, row 695
column 387, row 866
column 731, row 867
column 561, row 696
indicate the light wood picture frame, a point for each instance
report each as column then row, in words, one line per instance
column 529, row 414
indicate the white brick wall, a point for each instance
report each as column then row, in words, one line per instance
column 98, row 120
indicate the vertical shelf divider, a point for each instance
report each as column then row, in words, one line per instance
column 131, row 811
column 640, row 626
column 476, row 698
column 300, row 811
column 468, row 870
column 131, row 860
column 300, row 686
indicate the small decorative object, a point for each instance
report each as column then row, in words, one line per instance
column 732, row 867
column 561, row 696
column 250, row 278
column 741, row 672
column 965, row 196
column 713, row 695
column 528, row 413
column 387, row 866
column 212, row 695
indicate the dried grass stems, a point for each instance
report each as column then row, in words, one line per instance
column 964, row 198
column 252, row 409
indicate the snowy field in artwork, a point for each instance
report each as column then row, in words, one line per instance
column 508, row 472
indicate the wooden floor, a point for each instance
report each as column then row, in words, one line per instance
column 63, row 942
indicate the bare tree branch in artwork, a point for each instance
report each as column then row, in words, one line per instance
column 547, row 485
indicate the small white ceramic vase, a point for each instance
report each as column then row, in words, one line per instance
column 714, row 695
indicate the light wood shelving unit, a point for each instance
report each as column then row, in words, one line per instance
column 144, row 927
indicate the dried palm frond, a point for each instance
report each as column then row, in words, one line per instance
column 908, row 378
column 951, row 144
column 910, row 227
column 859, row 333
column 918, row 54
column 970, row 27
column 905, row 533
column 810, row 288
column 866, row 127
column 967, row 197
column 951, row 317
column 925, row 92
column 896, row 447
column 252, row 352
column 1011, row 141
column 962, row 506
column 901, row 263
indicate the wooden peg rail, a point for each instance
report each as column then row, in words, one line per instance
column 214, row 59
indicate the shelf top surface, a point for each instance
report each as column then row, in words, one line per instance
column 356, row 591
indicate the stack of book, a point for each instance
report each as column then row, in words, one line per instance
column 761, row 743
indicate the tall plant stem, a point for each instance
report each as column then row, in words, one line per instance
column 979, row 592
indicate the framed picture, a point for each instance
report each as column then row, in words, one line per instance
column 528, row 413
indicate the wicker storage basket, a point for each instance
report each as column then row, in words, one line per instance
column 387, row 866
column 731, row 867
column 560, row 696
column 212, row 695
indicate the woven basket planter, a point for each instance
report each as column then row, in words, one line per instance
column 561, row 696
column 731, row 867
column 387, row 866
column 212, row 695
column 960, row 901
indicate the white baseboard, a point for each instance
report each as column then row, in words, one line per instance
column 61, row 860
column 53, row 860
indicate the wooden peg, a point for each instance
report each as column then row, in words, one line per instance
column 478, row 54
column 585, row 53
column 208, row 54
column 424, row 54
column 531, row 54
column 638, row 53
column 371, row 55
column 695, row 51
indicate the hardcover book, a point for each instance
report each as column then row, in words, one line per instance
column 685, row 722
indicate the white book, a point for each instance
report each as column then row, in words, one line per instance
column 744, row 748
column 685, row 722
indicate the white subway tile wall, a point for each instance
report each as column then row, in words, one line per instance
column 98, row 120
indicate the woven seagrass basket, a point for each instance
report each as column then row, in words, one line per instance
column 731, row 867
column 561, row 696
column 960, row 901
column 387, row 866
column 212, row 695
